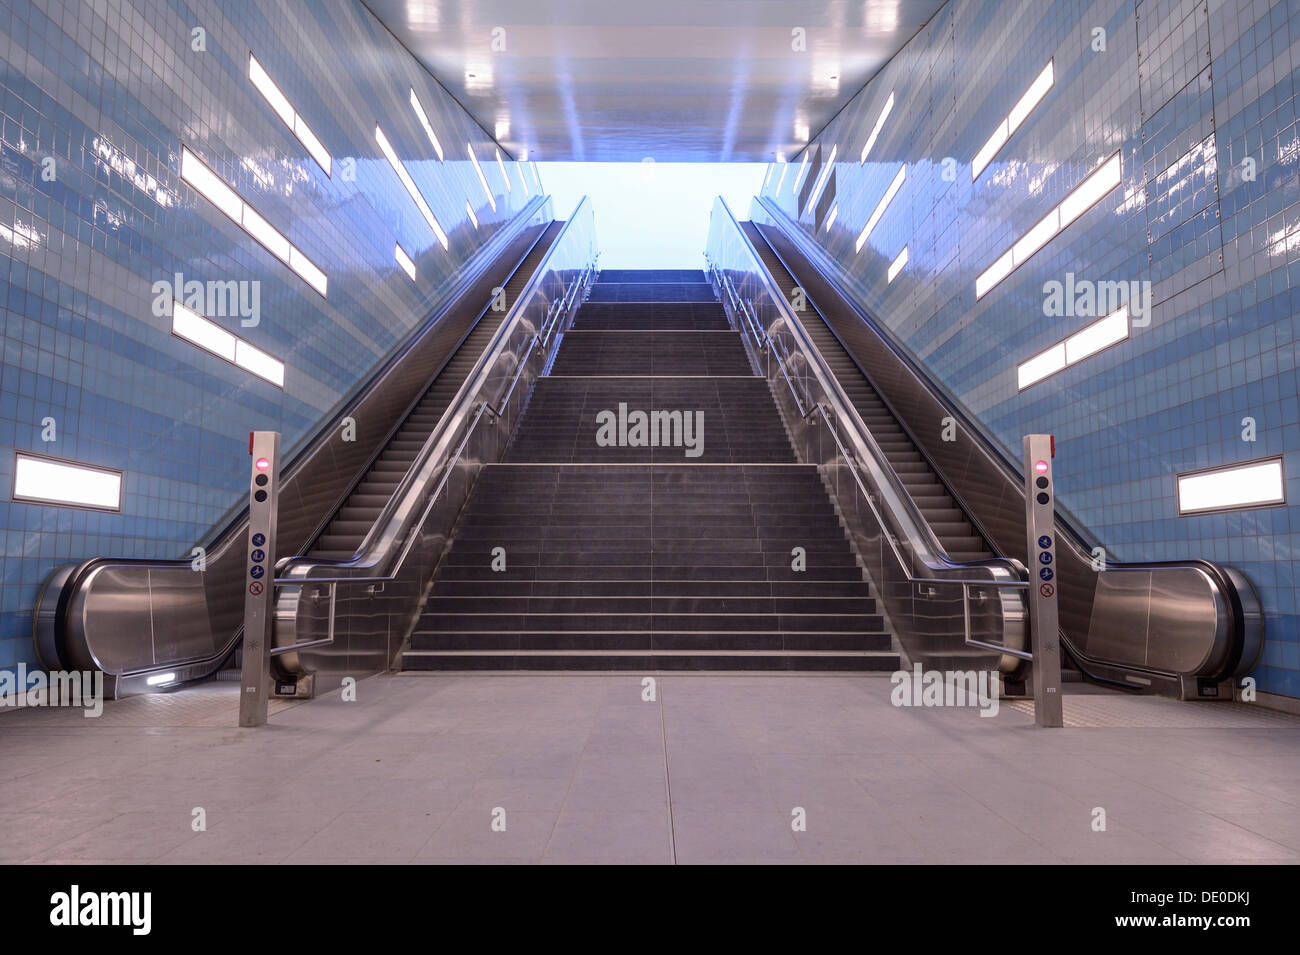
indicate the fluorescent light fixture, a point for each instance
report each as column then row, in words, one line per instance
column 537, row 180
column 306, row 268
column 1089, row 192
column 994, row 274
column 767, row 180
column 212, row 338
column 519, row 168
column 470, row 209
column 785, row 167
column 284, row 109
column 160, row 678
column 1082, row 198
column 45, row 480
column 1041, row 366
column 1096, row 337
column 803, row 167
column 251, row 358
column 881, row 206
column 409, row 184
column 830, row 219
column 314, row 145
column 504, row 175
column 424, row 121
column 1252, row 484
column 1037, row 237
column 897, row 265
column 875, row 130
column 265, row 233
column 821, row 180
column 405, row 261
column 209, row 185
column 481, row 178
column 1005, row 129
column 209, row 336
column 266, row 86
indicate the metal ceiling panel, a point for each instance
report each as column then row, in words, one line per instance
column 671, row 80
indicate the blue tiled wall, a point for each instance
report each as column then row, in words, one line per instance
column 112, row 89
column 1185, row 90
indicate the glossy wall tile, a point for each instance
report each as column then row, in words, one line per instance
column 292, row 232
column 1198, row 101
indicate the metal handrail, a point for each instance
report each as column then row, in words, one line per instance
column 467, row 392
column 458, row 409
column 764, row 340
column 831, row 387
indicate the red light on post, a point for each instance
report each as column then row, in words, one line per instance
column 1040, row 467
column 262, row 464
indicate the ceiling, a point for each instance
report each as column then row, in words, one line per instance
column 669, row 80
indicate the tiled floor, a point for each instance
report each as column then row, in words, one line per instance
column 581, row 769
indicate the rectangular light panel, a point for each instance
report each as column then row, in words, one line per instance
column 1006, row 129
column 897, row 265
column 209, row 185
column 409, row 184
column 49, row 481
column 803, row 167
column 284, row 109
column 881, row 206
column 1253, row 484
column 504, row 174
column 821, row 180
column 875, row 130
column 1096, row 337
column 1041, row 366
column 405, row 261
column 211, row 337
column 481, row 178
column 1082, row 198
column 424, row 121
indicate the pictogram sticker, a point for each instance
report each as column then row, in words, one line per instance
column 255, row 588
column 1047, row 590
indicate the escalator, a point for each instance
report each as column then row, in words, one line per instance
column 1181, row 628
column 159, row 622
column 959, row 539
column 342, row 537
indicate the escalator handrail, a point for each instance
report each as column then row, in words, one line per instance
column 464, row 403
column 933, row 553
column 464, row 277
column 1229, row 592
column 227, row 531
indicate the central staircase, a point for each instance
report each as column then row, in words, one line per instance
column 570, row 555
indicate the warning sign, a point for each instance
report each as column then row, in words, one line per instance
column 255, row 588
column 1047, row 590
